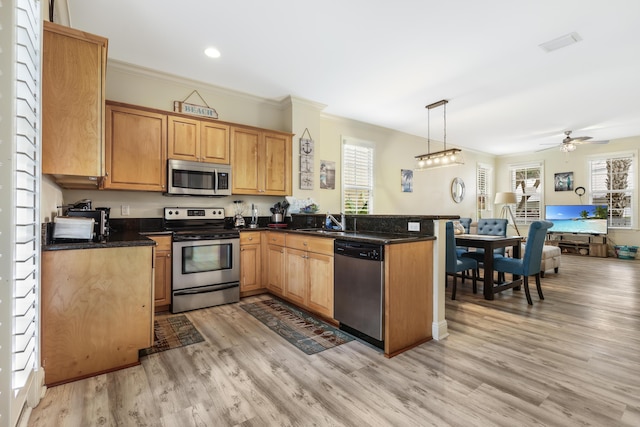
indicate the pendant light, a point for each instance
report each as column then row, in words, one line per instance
column 438, row 159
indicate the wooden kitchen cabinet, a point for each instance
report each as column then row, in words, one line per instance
column 162, row 278
column 136, row 148
column 275, row 261
column 97, row 310
column 309, row 277
column 250, row 263
column 73, row 105
column 261, row 162
column 197, row 140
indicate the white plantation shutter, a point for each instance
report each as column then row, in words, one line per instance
column 484, row 200
column 19, row 205
column 527, row 183
column 612, row 179
column 357, row 177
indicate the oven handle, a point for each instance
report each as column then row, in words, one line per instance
column 195, row 238
column 196, row 291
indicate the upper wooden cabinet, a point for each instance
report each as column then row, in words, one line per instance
column 136, row 149
column 73, row 101
column 261, row 162
column 198, row 140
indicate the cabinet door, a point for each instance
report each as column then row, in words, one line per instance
column 277, row 164
column 296, row 278
column 250, row 268
column 276, row 269
column 183, row 138
column 214, row 143
column 162, row 284
column 320, row 280
column 136, row 149
column 73, row 76
column 245, row 145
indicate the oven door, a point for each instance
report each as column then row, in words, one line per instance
column 205, row 262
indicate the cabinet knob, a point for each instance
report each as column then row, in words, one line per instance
column 250, row 238
column 168, row 255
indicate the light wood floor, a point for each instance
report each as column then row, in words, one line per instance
column 570, row 360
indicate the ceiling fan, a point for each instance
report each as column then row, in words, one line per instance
column 570, row 143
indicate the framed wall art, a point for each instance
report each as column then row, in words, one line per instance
column 563, row 181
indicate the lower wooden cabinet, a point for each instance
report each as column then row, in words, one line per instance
column 275, row 262
column 309, row 273
column 97, row 310
column 162, row 278
column 250, row 262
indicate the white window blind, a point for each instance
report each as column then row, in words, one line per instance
column 484, row 200
column 527, row 183
column 19, row 203
column 357, row 177
column 612, row 179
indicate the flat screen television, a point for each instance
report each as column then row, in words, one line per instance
column 577, row 219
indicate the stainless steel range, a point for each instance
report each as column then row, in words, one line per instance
column 206, row 258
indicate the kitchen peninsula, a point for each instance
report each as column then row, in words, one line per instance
column 97, row 305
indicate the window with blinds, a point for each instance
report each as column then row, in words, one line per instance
column 357, row 177
column 527, row 183
column 612, row 179
column 484, row 200
column 19, row 201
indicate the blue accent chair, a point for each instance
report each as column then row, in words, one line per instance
column 529, row 265
column 456, row 266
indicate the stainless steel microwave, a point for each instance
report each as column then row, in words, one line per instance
column 198, row 179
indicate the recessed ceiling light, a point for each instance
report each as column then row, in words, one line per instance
column 212, row 52
column 561, row 42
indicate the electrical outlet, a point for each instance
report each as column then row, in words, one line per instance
column 413, row 226
column 124, row 210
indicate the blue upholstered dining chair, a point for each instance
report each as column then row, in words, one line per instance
column 466, row 223
column 529, row 265
column 491, row 227
column 455, row 266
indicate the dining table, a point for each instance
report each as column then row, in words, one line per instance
column 489, row 243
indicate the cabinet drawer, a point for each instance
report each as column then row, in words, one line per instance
column 276, row 238
column 249, row 237
column 163, row 242
column 322, row 245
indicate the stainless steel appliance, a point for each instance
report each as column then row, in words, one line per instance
column 206, row 258
column 198, row 179
column 359, row 290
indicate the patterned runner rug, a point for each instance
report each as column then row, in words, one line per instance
column 301, row 329
column 172, row 332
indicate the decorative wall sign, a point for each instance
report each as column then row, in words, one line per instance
column 406, row 180
column 327, row 174
column 194, row 109
column 306, row 161
column 563, row 181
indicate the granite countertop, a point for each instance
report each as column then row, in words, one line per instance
column 355, row 236
column 115, row 240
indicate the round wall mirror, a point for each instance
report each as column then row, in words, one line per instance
column 457, row 190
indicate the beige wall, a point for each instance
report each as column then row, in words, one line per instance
column 394, row 151
column 577, row 162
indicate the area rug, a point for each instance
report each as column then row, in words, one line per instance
column 172, row 332
column 301, row 329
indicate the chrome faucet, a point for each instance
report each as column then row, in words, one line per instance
column 331, row 219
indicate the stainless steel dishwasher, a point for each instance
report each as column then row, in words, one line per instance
column 359, row 290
